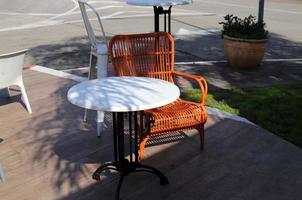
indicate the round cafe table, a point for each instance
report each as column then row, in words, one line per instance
column 159, row 10
column 130, row 96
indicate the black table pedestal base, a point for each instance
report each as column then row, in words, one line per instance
column 129, row 168
column 122, row 165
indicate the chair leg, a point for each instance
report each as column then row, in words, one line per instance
column 8, row 92
column 90, row 77
column 100, row 122
column 201, row 134
column 2, row 177
column 142, row 144
column 25, row 98
column 92, row 65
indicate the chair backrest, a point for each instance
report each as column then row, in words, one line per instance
column 148, row 54
column 89, row 28
column 11, row 66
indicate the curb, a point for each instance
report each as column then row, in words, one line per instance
column 226, row 115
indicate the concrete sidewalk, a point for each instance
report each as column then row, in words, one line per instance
column 222, row 76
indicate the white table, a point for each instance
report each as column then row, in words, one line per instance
column 159, row 10
column 121, row 95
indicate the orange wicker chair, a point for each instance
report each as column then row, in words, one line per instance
column 152, row 55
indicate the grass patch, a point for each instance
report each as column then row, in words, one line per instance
column 276, row 108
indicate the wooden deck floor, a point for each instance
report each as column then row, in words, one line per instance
column 51, row 154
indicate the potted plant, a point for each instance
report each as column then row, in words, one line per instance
column 244, row 41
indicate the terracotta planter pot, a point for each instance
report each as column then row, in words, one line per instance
column 244, row 53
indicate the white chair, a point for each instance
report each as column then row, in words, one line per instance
column 99, row 51
column 11, row 66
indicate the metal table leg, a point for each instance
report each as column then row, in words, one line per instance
column 120, row 164
column 159, row 10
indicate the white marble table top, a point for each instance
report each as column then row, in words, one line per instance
column 122, row 94
column 158, row 2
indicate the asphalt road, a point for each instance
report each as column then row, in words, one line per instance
column 55, row 33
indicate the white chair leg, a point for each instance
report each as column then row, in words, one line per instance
column 90, row 76
column 92, row 63
column 99, row 129
column 85, row 115
column 24, row 98
column 102, row 62
column 100, row 122
column 8, row 92
column 2, row 177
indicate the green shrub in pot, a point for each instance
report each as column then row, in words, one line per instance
column 244, row 40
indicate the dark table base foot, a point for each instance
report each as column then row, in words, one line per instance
column 129, row 167
column 144, row 168
column 96, row 175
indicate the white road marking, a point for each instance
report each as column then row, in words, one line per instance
column 27, row 14
column 96, row 8
column 283, row 59
column 74, row 69
column 211, row 62
column 67, row 12
column 106, row 2
column 137, row 11
column 112, row 16
column 202, row 32
column 151, row 15
column 57, row 73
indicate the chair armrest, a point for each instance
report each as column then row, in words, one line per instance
column 201, row 82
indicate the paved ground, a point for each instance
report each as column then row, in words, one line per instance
column 54, row 30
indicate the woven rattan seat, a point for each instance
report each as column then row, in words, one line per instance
column 177, row 115
column 152, row 55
